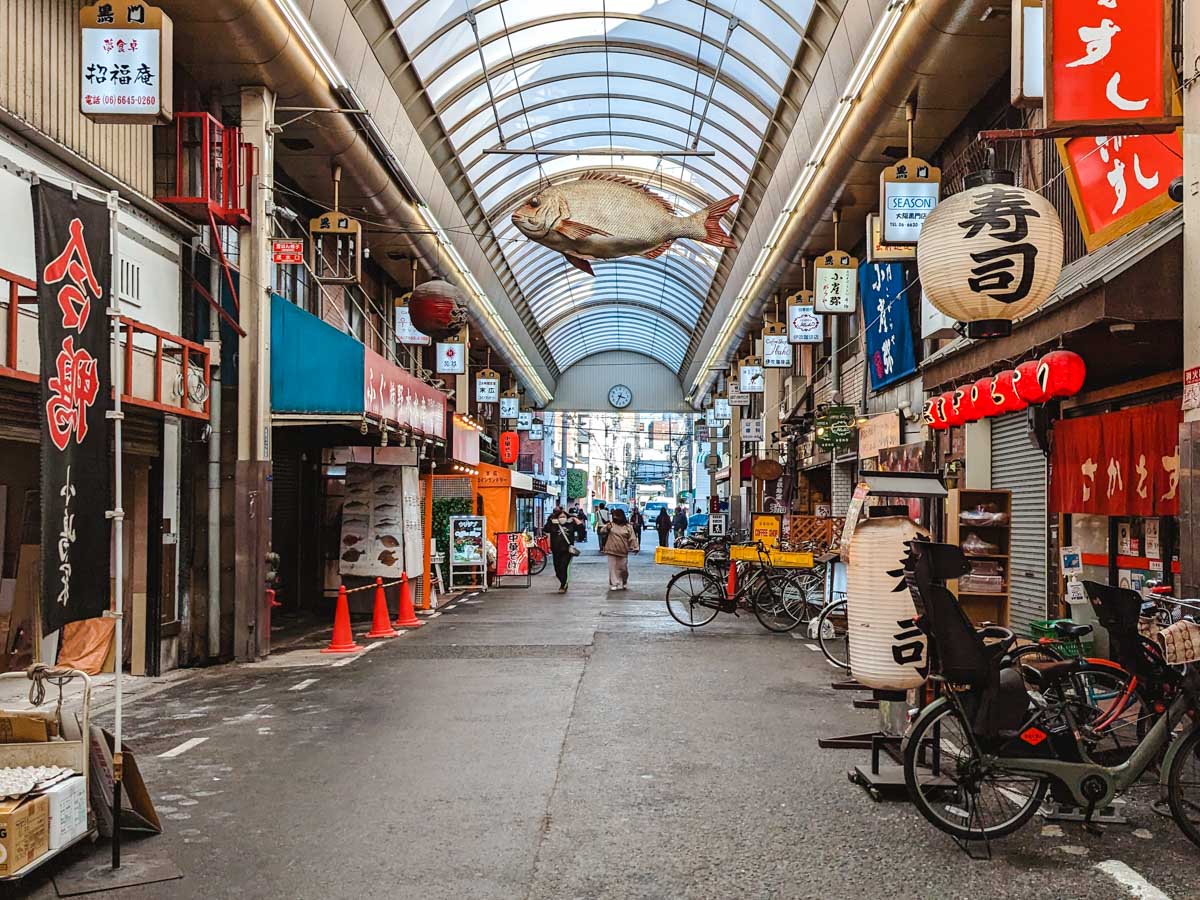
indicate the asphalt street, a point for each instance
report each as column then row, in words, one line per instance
column 527, row 745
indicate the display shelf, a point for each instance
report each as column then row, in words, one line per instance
column 982, row 606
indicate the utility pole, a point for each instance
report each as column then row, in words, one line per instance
column 562, row 468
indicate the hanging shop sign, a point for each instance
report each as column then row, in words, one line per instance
column 878, row 251
column 804, row 325
column 537, row 431
column 373, row 522
column 750, row 375
column 1028, row 73
column 1120, row 183
column 451, row 358
column 406, row 331
column 890, row 355
column 777, row 350
column 396, row 396
column 878, row 433
column 1056, row 376
column 510, row 406
column 1109, row 65
column 702, row 435
column 834, row 427
column 510, row 447
column 721, row 409
column 524, row 420
column 908, row 193
column 737, row 397
column 766, row 469
column 991, row 254
column 717, row 524
column 752, row 430
column 487, row 387
column 335, row 248
column 74, row 261
column 1123, row 463
column 126, row 60
column 287, row 252
column 766, row 527
column 834, row 278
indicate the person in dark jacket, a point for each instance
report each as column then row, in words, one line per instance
column 637, row 520
column 663, row 525
column 561, row 526
column 680, row 523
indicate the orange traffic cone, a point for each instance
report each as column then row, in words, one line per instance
column 406, row 618
column 343, row 639
column 381, row 627
column 731, row 581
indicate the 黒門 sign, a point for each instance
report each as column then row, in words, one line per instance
column 510, row 407
column 777, row 351
column 804, row 325
column 835, row 283
column 487, row 387
column 125, row 63
column 1108, row 63
column 750, row 377
column 908, row 192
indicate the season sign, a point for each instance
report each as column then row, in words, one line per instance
column 909, row 192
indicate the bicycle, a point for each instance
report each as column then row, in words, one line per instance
column 979, row 760
column 695, row 596
column 832, row 632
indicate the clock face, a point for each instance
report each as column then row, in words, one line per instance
column 620, row 396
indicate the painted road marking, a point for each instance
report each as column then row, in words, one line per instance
column 1135, row 884
column 365, row 650
column 813, row 647
column 182, row 748
column 307, row 682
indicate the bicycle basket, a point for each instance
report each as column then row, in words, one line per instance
column 1180, row 643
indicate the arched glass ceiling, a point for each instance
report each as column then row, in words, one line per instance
column 655, row 76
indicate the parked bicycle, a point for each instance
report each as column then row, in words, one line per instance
column 696, row 596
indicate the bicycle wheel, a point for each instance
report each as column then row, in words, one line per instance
column 716, row 559
column 833, row 634
column 957, row 790
column 1183, row 786
column 537, row 561
column 1110, row 712
column 694, row 597
column 779, row 604
column 1036, row 655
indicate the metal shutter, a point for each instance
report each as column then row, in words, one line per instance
column 1019, row 466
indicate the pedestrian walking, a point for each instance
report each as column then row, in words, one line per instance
column 618, row 540
column 663, row 525
column 604, row 518
column 561, row 526
column 637, row 521
column 680, row 523
column 579, row 526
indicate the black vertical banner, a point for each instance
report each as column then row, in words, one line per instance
column 74, row 274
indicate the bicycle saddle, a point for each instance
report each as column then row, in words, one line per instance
column 1071, row 629
column 1038, row 674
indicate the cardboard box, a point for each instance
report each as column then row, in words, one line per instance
column 68, row 811
column 24, row 832
column 27, row 727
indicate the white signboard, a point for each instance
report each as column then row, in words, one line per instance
column 934, row 322
column 537, row 431
column 716, row 524
column 710, row 419
column 451, row 359
column 510, row 407
column 835, row 290
column 524, row 421
column 804, row 325
column 414, row 518
column 906, row 206
column 750, row 380
column 752, row 430
column 777, row 351
column 487, row 390
column 721, row 410
column 737, row 397
column 373, row 529
column 405, row 332
column 121, row 71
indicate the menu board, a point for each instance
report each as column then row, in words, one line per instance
column 414, row 557
column 512, row 556
column 466, row 541
column 373, row 522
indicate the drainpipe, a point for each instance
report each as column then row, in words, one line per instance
column 214, row 465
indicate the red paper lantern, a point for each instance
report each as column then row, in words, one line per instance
column 1004, row 393
column 1061, row 374
column 1025, row 380
column 950, row 406
column 510, row 447
column 981, row 397
column 935, row 414
column 966, row 404
column 436, row 309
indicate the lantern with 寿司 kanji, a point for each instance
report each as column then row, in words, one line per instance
column 1025, row 380
column 1061, row 373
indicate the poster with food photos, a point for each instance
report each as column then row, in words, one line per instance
column 372, row 543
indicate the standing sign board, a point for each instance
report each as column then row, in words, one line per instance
column 372, row 533
column 406, row 332
column 836, row 288
column 908, row 192
column 468, row 556
column 1108, row 64
column 512, row 557
column 777, row 350
column 451, row 358
column 126, row 59
column 74, row 264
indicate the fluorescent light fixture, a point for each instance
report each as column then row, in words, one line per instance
column 312, row 44
column 876, row 47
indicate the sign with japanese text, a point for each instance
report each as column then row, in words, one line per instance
column 721, row 410
column 702, row 435
column 287, row 252
column 537, row 430
column 878, row 251
column 766, row 527
column 510, row 407
column 451, row 358
column 406, row 332
column 1191, row 388
column 752, row 430
column 1123, row 463
column 1119, row 183
column 399, row 397
column 890, row 354
column 878, row 433
column 466, row 541
column 750, row 378
column 524, row 420
column 372, row 522
column 74, row 266
column 835, row 426
column 777, row 350
column 804, row 325
column 835, row 290
column 737, row 397
column 125, row 63
column 1028, row 70
column 512, row 556
column 908, row 192
column 487, row 389
column 1108, row 63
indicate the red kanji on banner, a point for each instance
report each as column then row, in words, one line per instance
column 74, row 389
column 75, row 298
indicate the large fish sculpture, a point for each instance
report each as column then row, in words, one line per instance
column 607, row 216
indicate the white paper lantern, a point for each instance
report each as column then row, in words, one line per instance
column 886, row 650
column 990, row 254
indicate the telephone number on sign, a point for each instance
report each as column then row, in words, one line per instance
column 120, row 100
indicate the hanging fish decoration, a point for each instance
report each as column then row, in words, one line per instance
column 607, row 216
